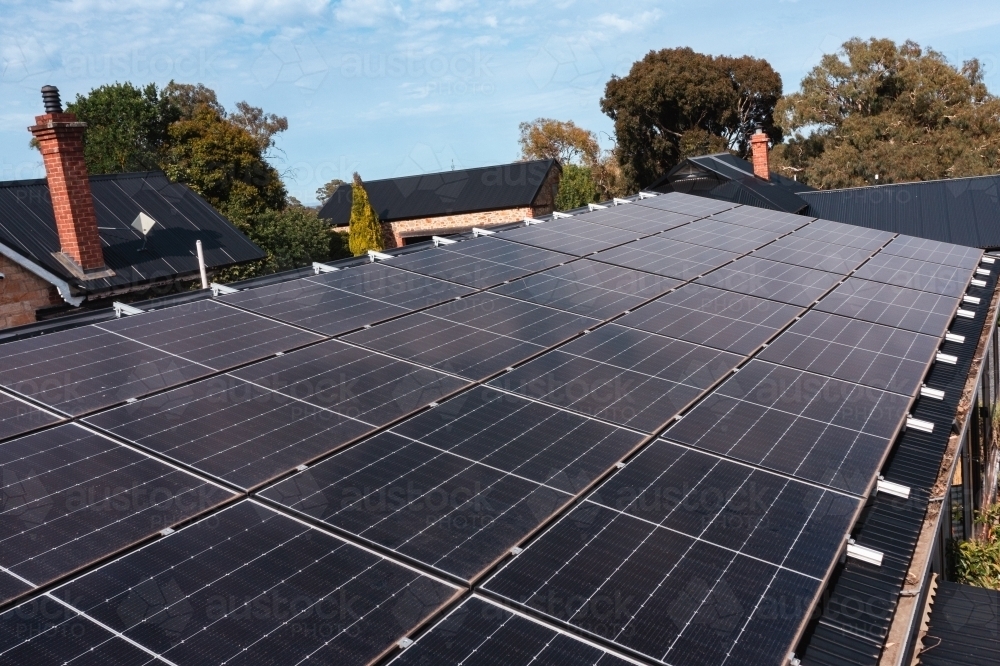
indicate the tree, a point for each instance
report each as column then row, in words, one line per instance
column 898, row 111
column 326, row 191
column 261, row 126
column 576, row 188
column 127, row 127
column 545, row 139
column 187, row 97
column 292, row 237
column 365, row 228
column 675, row 103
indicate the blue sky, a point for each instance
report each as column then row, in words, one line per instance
column 389, row 87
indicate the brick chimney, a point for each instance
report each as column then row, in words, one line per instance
column 761, row 166
column 60, row 139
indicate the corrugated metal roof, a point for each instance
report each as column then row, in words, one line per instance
column 963, row 627
column 445, row 193
column 27, row 226
column 964, row 211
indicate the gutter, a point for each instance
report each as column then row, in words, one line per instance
column 61, row 285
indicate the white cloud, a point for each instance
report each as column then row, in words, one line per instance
column 635, row 23
column 367, row 13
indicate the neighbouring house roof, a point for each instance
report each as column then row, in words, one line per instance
column 963, row 626
column 27, row 229
column 726, row 177
column 965, row 211
column 497, row 187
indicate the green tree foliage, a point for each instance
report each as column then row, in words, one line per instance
column 675, row 103
column 576, row 188
column 292, row 237
column 326, row 191
column 366, row 230
column 898, row 111
column 127, row 127
column 978, row 562
column 573, row 146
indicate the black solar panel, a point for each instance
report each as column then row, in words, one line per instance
column 886, row 358
column 483, row 633
column 18, row 417
column 814, row 254
column 845, row 234
column 762, row 218
column 934, row 251
column 87, row 368
column 571, row 236
column 773, row 280
column 887, row 304
column 390, row 285
column 810, row 427
column 640, row 219
column 667, row 257
column 688, row 204
column 459, row 268
column 514, row 318
column 722, row 235
column 721, row 319
column 622, row 375
column 211, row 333
column 459, row 485
column 72, row 497
column 231, row 429
column 528, row 259
column 357, row 383
column 915, row 274
column 249, row 585
column 590, row 288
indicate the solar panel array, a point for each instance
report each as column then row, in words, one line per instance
column 641, row 435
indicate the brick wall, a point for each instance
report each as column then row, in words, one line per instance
column 21, row 293
column 545, row 201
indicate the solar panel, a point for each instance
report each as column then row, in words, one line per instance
column 571, row 236
column 845, row 234
column 810, row 427
column 18, row 417
column 458, row 486
column 934, row 251
column 354, row 382
column 688, row 204
column 458, row 268
column 772, row 280
column 721, row 235
column 887, row 304
column 922, row 275
column 513, row 318
column 72, row 497
column 890, row 359
column 528, row 259
column 762, row 218
column 589, row 288
column 636, row 218
column 211, row 333
column 622, row 375
column 817, row 254
column 232, row 430
column 667, row 257
column 249, row 585
column 384, row 283
column 722, row 319
column 484, row 633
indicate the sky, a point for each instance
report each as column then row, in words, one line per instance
column 389, row 87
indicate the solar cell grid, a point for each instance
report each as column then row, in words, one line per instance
column 252, row 586
column 18, row 417
column 773, row 280
column 913, row 310
column 636, row 218
column 466, row 270
column 514, row 318
column 72, row 497
column 810, row 427
column 934, row 251
column 382, row 282
column 915, row 274
column 886, row 358
column 704, row 315
column 528, row 259
column 817, row 254
column 589, row 288
column 686, row 204
column 761, row 218
column 459, row 485
column 622, row 375
column 667, row 257
column 721, row 235
column 571, row 236
column 845, row 234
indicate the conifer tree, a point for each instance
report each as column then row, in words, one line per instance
column 365, row 229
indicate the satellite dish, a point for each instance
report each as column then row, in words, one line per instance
column 143, row 224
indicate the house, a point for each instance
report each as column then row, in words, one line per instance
column 72, row 239
column 414, row 208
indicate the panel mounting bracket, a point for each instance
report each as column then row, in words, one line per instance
column 438, row 241
column 593, row 207
column 556, row 215
column 863, row 554
column 987, row 260
column 620, row 202
column 405, row 643
column 952, row 337
column 477, row 232
column 978, row 283
column 516, row 550
column 967, row 314
column 528, row 221
column 970, row 299
column 647, row 195
column 946, row 358
column 982, row 271
column 918, row 424
column 323, row 268
column 128, row 310
column 373, row 255
column 222, row 289
column 890, row 488
column 932, row 393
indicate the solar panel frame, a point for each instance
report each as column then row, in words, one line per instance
column 687, row 204
column 838, row 233
column 722, row 235
column 461, row 269
column 934, row 251
column 815, row 254
column 901, row 307
column 914, row 274
column 787, row 283
column 762, row 218
column 662, row 256
column 639, row 219
column 514, row 318
column 572, row 236
column 18, row 417
column 491, row 248
column 383, row 282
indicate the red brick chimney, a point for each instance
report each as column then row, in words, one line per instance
column 60, row 139
column 761, row 166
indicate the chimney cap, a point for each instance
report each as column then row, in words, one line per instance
column 50, row 97
column 758, row 128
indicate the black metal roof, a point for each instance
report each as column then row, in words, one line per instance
column 27, row 226
column 726, row 177
column 963, row 627
column 964, row 211
column 512, row 185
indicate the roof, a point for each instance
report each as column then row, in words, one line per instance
column 27, row 226
column 725, row 177
column 660, row 408
column 514, row 185
column 965, row 211
column 963, row 626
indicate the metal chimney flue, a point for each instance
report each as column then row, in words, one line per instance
column 50, row 97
